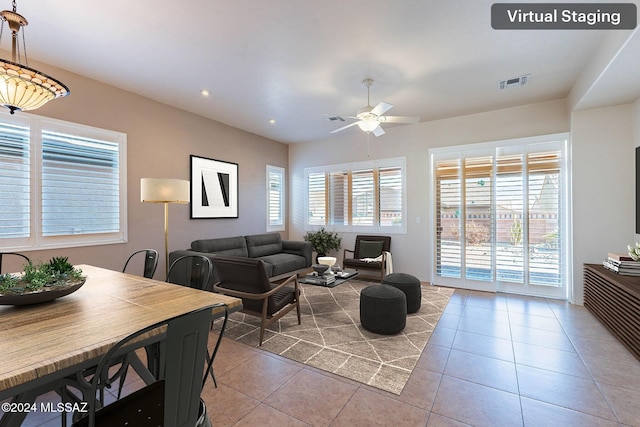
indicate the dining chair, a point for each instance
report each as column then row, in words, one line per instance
column 195, row 272
column 172, row 400
column 150, row 262
column 3, row 254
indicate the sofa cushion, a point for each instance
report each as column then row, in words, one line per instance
column 233, row 246
column 260, row 245
column 282, row 263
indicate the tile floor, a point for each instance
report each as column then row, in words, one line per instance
column 493, row 360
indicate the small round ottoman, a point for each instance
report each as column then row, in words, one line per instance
column 383, row 309
column 408, row 284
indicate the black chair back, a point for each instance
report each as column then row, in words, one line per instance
column 173, row 400
column 150, row 262
column 193, row 271
column 3, row 254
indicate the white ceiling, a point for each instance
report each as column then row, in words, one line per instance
column 295, row 61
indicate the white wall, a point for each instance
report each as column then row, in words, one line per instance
column 411, row 251
column 603, row 186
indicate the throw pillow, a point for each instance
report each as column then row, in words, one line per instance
column 370, row 249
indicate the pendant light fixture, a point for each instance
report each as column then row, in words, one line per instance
column 22, row 87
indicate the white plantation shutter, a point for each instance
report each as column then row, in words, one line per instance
column 80, row 185
column 339, row 200
column 390, row 197
column 499, row 216
column 316, row 193
column 61, row 184
column 363, row 196
column 15, row 169
column 275, row 198
column 363, row 200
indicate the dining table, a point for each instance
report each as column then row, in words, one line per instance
column 45, row 342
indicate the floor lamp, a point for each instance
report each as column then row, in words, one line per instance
column 155, row 190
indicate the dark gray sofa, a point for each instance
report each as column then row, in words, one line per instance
column 279, row 256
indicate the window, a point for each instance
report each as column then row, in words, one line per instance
column 365, row 196
column 500, row 214
column 62, row 184
column 275, row 198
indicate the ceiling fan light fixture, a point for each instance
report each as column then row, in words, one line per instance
column 368, row 125
column 22, row 87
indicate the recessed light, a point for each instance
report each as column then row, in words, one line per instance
column 272, row 121
column 204, row 92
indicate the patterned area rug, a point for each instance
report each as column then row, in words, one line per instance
column 331, row 337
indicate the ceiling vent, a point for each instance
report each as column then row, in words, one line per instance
column 522, row 80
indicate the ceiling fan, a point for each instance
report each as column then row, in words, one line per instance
column 369, row 118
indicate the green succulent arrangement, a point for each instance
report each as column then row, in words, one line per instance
column 634, row 251
column 323, row 241
column 55, row 274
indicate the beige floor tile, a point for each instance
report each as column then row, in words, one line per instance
column 266, row 416
column 567, row 391
column 615, row 372
column 540, row 337
column 437, row 420
column 536, row 413
column 312, row 397
column 485, row 314
column 442, row 336
column 482, row 370
column 483, row 345
column 625, row 403
column 434, row 358
column 421, row 389
column 476, row 404
column 487, row 327
column 536, row 322
column 259, row 376
column 225, row 405
column 529, row 305
column 366, row 408
column 564, row 362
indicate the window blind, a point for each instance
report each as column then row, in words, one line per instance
column 275, row 198
column 15, row 169
column 80, row 185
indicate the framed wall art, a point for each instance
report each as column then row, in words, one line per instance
column 214, row 188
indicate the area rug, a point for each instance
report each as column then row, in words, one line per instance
column 331, row 337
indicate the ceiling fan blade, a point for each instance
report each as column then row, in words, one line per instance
column 378, row 131
column 338, row 117
column 400, row 119
column 344, row 127
column 381, row 108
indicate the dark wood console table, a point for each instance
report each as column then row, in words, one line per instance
column 615, row 300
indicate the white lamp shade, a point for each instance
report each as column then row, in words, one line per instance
column 156, row 190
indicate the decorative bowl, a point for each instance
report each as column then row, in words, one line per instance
column 320, row 268
column 327, row 260
column 41, row 295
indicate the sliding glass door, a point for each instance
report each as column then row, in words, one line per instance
column 500, row 213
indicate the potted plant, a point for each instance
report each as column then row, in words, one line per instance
column 323, row 241
column 56, row 278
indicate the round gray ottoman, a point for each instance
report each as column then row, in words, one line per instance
column 383, row 309
column 408, row 284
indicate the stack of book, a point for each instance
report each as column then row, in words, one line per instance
column 622, row 264
column 322, row 280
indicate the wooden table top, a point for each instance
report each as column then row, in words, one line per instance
column 42, row 339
